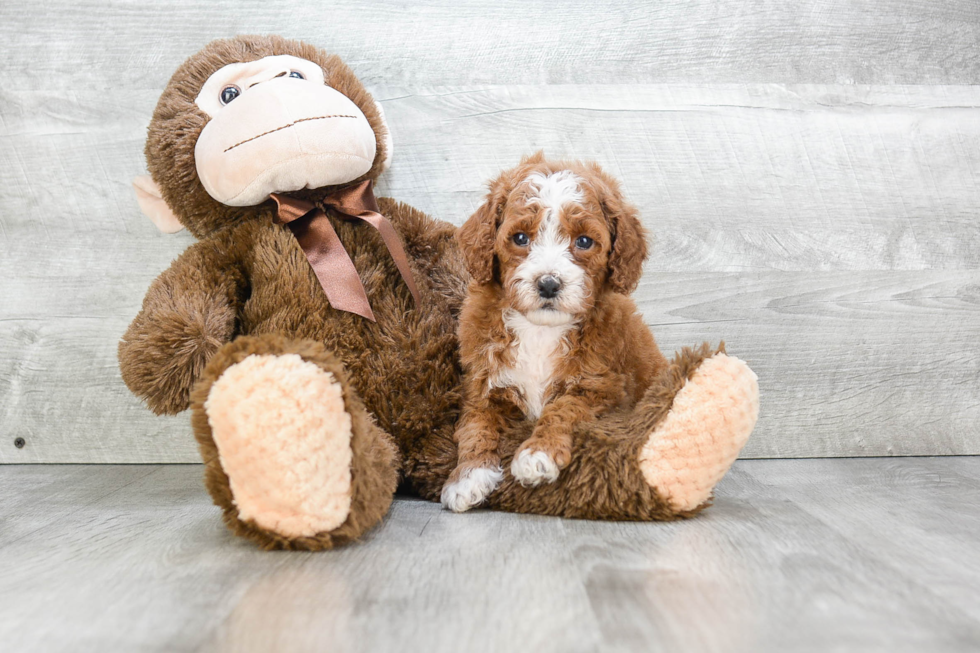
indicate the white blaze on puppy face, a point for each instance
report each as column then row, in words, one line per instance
column 549, row 251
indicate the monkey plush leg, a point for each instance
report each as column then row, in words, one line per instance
column 659, row 461
column 709, row 421
column 293, row 458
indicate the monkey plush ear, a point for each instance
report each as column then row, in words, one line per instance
column 387, row 143
column 153, row 206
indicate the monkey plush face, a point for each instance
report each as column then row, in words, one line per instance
column 251, row 116
column 276, row 127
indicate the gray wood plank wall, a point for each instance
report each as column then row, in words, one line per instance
column 809, row 171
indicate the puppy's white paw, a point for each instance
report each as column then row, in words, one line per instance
column 532, row 468
column 472, row 488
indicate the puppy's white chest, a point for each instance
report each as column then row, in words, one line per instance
column 535, row 351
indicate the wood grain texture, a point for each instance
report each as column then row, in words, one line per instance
column 728, row 178
column 841, row 263
column 809, row 173
column 133, row 44
column 795, row 555
column 859, row 364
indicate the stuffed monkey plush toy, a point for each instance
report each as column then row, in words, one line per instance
column 312, row 329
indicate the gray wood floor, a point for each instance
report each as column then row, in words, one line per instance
column 810, row 555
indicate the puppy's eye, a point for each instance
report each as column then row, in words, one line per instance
column 520, row 239
column 297, row 74
column 229, row 93
column 584, row 242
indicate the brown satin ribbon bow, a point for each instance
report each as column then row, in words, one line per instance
column 327, row 256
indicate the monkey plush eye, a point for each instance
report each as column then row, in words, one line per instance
column 584, row 242
column 296, row 74
column 229, row 93
column 520, row 239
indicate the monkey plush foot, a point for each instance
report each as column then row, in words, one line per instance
column 706, row 427
column 284, row 436
column 292, row 456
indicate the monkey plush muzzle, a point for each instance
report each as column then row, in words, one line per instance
column 275, row 127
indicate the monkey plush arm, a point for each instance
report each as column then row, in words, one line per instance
column 188, row 313
column 431, row 245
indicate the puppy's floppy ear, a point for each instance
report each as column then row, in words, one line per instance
column 629, row 238
column 477, row 235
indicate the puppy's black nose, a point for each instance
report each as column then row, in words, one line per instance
column 548, row 286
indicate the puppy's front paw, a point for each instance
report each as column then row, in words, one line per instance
column 471, row 488
column 532, row 468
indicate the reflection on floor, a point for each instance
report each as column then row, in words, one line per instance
column 816, row 555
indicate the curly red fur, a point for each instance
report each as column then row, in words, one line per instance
column 592, row 373
column 629, row 237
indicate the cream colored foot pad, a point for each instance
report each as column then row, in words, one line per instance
column 283, row 437
column 699, row 439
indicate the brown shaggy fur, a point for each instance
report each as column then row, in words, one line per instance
column 611, row 357
column 246, row 287
column 604, row 480
column 177, row 122
column 374, row 460
column 248, row 277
